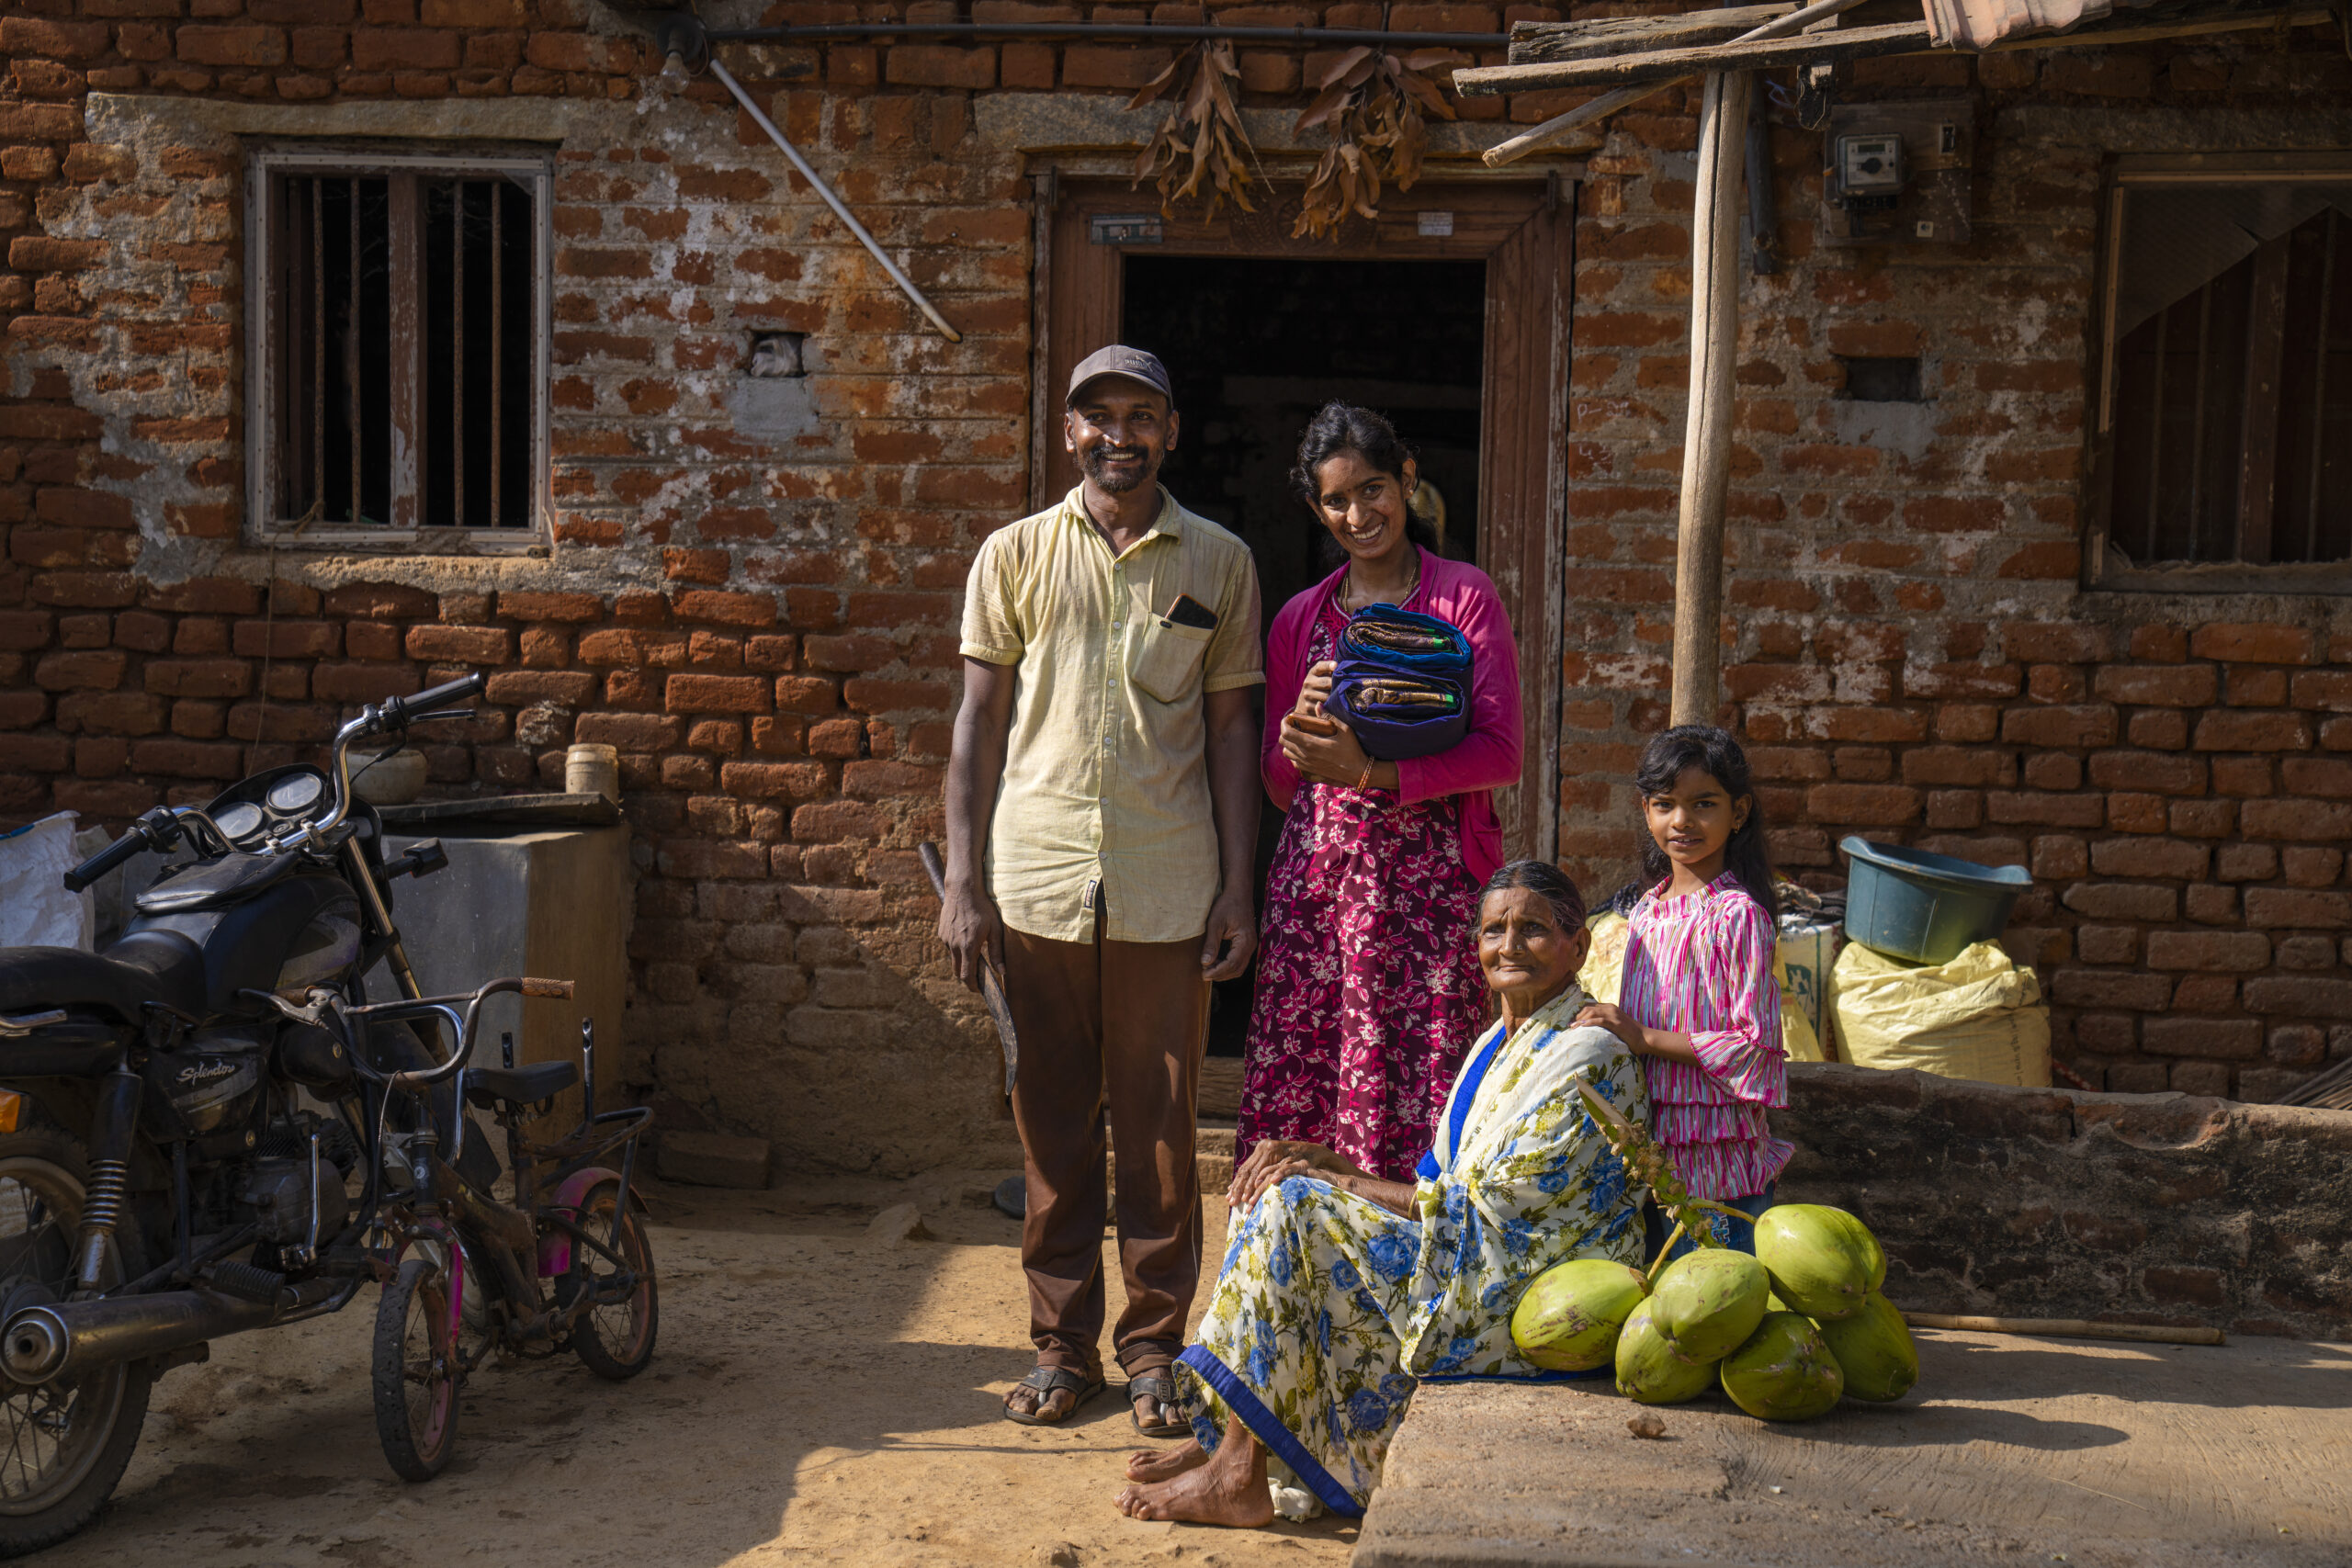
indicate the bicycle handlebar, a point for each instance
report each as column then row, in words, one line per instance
column 424, row 1077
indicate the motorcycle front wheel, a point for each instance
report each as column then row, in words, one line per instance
column 63, row 1445
column 415, row 1371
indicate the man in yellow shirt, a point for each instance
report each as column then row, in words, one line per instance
column 1102, row 802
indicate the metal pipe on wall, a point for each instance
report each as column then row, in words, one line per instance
column 905, row 284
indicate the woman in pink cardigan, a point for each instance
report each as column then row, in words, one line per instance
column 1368, row 985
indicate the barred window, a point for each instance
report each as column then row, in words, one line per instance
column 397, row 307
column 2225, row 405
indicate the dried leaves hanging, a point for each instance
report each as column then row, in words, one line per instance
column 1201, row 137
column 1372, row 101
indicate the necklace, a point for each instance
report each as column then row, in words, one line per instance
column 1349, row 591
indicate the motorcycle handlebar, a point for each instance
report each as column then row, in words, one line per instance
column 400, row 710
column 105, row 860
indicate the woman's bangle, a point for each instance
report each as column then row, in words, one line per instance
column 1363, row 780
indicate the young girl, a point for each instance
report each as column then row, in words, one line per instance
column 1698, row 1003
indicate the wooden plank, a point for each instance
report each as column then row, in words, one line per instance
column 1764, row 54
column 1535, row 42
column 1045, row 430
column 2258, row 444
column 1609, row 103
column 1522, row 486
column 406, row 389
column 1084, row 315
column 2068, row 1329
column 1707, row 435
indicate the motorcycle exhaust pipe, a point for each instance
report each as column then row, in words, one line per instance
column 41, row 1344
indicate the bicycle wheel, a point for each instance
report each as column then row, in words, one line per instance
column 415, row 1372
column 614, row 1338
column 63, row 1445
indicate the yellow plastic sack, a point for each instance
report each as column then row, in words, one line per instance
column 1603, row 977
column 1979, row 1016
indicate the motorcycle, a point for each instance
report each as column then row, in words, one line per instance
column 182, row 1117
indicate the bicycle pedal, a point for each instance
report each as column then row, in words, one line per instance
column 244, row 1279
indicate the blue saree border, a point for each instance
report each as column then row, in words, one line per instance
column 1251, row 1413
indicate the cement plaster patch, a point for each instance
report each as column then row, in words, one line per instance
column 773, row 408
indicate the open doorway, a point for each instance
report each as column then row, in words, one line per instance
column 1255, row 347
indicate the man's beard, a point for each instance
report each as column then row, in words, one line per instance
column 1095, row 460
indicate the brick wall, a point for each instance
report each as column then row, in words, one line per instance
column 1907, row 653
column 765, row 632
column 2170, row 1209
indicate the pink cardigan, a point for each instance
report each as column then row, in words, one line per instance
column 1485, row 760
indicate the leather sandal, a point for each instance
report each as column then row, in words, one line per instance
column 1047, row 1380
column 1161, row 1390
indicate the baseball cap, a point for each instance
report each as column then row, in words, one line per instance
column 1120, row 360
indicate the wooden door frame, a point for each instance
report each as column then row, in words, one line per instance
column 1522, row 230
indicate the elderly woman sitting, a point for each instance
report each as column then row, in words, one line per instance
column 1341, row 1292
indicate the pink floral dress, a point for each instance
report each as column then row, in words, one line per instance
column 1369, row 993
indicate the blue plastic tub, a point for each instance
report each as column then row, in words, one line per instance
column 1925, row 909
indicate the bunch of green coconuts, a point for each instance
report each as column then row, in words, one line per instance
column 1786, row 1332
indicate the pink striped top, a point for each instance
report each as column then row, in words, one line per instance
column 1702, row 966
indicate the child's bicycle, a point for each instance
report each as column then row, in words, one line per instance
column 565, row 1267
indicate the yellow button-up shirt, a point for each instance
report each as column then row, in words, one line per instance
column 1105, row 786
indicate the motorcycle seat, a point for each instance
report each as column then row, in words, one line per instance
column 145, row 966
column 525, row 1085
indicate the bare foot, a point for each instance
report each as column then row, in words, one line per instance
column 1163, row 1464
column 1213, row 1494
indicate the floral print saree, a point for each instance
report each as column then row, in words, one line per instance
column 1329, row 1309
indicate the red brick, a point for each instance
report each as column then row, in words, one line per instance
column 726, row 609
column 2328, row 689
column 934, row 65
column 2323, row 776
column 95, row 670
column 2164, row 685
column 111, row 713
column 396, row 48
column 287, row 639
column 1862, row 805
column 773, row 781
column 2302, row 821
column 43, row 253
column 73, row 508
column 715, row 693
column 2106, row 988
column 2298, row 907
column 2056, row 642
column 188, row 759
column 380, row 602
column 855, row 653
column 2299, row 996
column 2035, row 806
column 2237, row 953
column 2149, row 857
column 2228, row 729
column 198, row 677
column 1956, row 765
column 2145, row 770
column 2202, row 819
column 2253, row 643
column 461, row 645
column 362, row 683
column 521, row 606
column 2232, row 1039
column 2122, row 901
column 520, row 688
column 230, row 45
column 2090, row 724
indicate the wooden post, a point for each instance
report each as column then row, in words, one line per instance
column 1706, row 438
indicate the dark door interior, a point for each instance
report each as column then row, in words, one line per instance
column 1255, row 347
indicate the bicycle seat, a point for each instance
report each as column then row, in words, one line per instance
column 525, row 1085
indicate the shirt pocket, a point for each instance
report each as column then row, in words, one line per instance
column 1167, row 665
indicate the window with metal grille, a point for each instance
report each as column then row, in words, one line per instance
column 398, row 313
column 2225, row 409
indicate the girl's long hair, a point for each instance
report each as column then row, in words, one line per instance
column 1713, row 750
column 1341, row 428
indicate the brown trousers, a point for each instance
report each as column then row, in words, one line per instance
column 1117, row 1025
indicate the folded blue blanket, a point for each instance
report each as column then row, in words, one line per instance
column 1402, row 683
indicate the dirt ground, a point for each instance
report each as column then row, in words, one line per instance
column 816, row 1398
